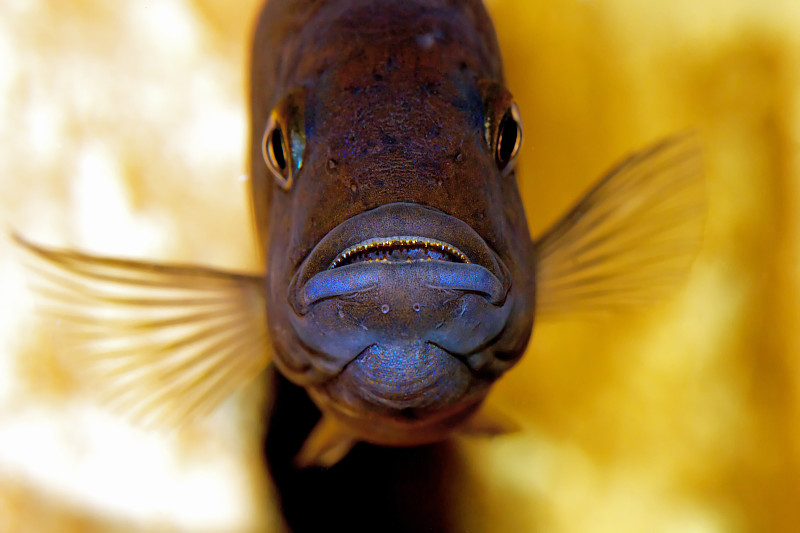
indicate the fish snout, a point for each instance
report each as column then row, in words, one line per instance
column 397, row 312
column 398, row 274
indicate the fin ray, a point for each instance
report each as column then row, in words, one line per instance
column 631, row 237
column 159, row 343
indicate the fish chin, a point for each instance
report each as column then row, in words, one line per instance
column 389, row 390
column 400, row 377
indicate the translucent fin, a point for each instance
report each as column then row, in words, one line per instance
column 630, row 239
column 161, row 344
column 326, row 445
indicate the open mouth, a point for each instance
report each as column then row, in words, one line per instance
column 404, row 248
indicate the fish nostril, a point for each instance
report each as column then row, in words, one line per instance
column 385, row 308
column 416, row 307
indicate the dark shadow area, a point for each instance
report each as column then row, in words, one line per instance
column 373, row 489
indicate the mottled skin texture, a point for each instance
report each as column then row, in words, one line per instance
column 394, row 113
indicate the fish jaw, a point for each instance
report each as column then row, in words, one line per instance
column 401, row 346
column 339, row 312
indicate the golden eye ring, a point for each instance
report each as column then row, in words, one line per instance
column 283, row 144
column 276, row 155
column 509, row 139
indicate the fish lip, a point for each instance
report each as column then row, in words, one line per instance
column 362, row 277
column 392, row 221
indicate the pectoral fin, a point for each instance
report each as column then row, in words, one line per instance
column 162, row 344
column 630, row 239
column 326, row 445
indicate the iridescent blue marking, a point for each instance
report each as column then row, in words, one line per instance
column 363, row 277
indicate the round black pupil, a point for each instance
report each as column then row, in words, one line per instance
column 508, row 139
column 277, row 148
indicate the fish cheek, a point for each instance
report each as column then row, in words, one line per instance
column 518, row 253
column 297, row 224
column 283, row 256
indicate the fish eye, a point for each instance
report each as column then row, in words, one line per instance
column 502, row 124
column 274, row 151
column 509, row 138
column 284, row 143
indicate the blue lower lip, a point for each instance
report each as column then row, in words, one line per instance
column 435, row 275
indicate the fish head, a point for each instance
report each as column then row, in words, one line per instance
column 399, row 263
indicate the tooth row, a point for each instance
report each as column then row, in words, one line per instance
column 386, row 260
column 386, row 242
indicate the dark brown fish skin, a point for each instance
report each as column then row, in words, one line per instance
column 394, row 115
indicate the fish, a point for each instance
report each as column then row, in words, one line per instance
column 400, row 278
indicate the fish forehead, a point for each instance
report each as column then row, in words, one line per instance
column 341, row 34
column 394, row 77
column 395, row 125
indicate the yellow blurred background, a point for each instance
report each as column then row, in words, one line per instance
column 123, row 133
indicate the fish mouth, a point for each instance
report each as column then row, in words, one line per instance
column 398, row 239
column 399, row 248
column 398, row 275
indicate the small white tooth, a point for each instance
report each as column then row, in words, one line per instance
column 405, row 241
